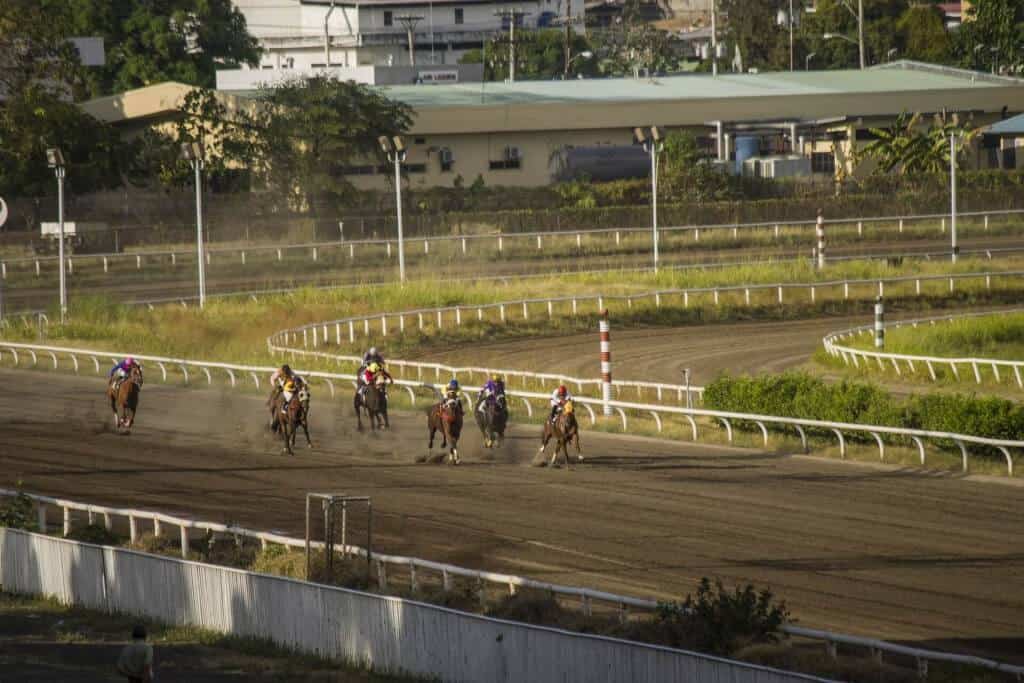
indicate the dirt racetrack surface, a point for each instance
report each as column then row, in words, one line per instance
column 899, row 554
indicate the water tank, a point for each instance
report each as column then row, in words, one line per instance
column 747, row 146
column 604, row 162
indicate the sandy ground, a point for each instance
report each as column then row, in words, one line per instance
column 921, row 557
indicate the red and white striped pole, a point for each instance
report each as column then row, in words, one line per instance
column 820, row 232
column 606, row 362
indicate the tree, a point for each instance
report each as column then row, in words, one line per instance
column 540, row 55
column 151, row 41
column 910, row 149
column 305, row 135
column 923, row 35
column 685, row 171
column 752, row 27
column 992, row 36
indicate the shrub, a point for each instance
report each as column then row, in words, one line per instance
column 93, row 533
column 16, row 512
column 719, row 621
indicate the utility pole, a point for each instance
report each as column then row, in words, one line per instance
column 513, row 16
column 714, row 37
column 952, row 194
column 860, row 30
column 568, row 38
column 792, row 21
column 409, row 21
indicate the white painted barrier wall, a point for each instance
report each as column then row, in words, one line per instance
column 386, row 633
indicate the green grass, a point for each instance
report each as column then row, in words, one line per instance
column 997, row 336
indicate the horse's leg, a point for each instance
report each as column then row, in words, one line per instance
column 358, row 411
column 305, row 430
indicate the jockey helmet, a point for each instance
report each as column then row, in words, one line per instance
column 373, row 351
column 495, row 377
column 373, row 367
column 454, row 384
column 562, row 391
column 286, row 369
column 129, row 361
column 289, row 386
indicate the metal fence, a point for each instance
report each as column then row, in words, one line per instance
column 386, row 634
column 467, row 244
column 861, row 358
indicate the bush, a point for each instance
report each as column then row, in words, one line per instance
column 797, row 394
column 17, row 512
column 96, row 534
column 719, row 621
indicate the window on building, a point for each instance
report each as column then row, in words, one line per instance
column 419, row 141
column 389, row 18
column 447, row 159
column 511, row 158
column 823, row 162
column 459, row 15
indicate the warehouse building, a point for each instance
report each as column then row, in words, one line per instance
column 536, row 132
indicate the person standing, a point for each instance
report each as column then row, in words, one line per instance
column 136, row 660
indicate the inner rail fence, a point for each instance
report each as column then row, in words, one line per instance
column 659, row 414
column 139, row 521
column 314, row 251
column 314, row 340
column 861, row 358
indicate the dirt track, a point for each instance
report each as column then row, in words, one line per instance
column 895, row 554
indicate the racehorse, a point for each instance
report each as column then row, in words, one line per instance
column 492, row 417
column 446, row 417
column 296, row 415
column 564, row 430
column 124, row 400
column 374, row 399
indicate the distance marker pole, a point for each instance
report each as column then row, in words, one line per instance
column 606, row 362
column 879, row 323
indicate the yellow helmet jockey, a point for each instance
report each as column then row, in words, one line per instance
column 289, row 386
column 373, row 367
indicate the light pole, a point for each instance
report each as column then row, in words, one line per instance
column 192, row 152
column 858, row 14
column 55, row 160
column 952, row 194
column 782, row 19
column 394, row 150
column 586, row 54
column 807, row 60
column 652, row 141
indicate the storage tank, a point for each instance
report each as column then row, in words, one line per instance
column 603, row 162
column 747, row 147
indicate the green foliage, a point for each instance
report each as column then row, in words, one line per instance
column 720, row 622
column 540, row 55
column 909, row 148
column 96, row 534
column 923, row 34
column 164, row 40
column 796, row 394
column 687, row 174
column 992, row 36
column 308, row 132
column 17, row 512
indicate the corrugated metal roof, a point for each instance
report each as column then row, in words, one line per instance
column 1011, row 126
column 912, row 78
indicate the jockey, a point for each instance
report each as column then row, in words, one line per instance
column 369, row 358
column 558, row 398
column 122, row 370
column 281, row 375
column 453, row 392
column 373, row 356
column 493, row 388
column 369, row 375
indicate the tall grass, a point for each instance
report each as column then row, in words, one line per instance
column 997, row 336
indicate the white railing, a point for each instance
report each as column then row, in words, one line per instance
column 306, row 339
column 416, row 567
column 863, row 357
column 314, row 251
column 656, row 412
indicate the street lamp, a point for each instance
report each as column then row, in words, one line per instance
column 55, row 160
column 394, row 150
column 192, row 152
column 653, row 143
column 858, row 15
column 586, row 54
column 807, row 60
column 783, row 19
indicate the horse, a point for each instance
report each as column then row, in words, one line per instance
column 124, row 400
column 296, row 415
column 492, row 417
column 374, row 399
column 565, row 430
column 446, row 417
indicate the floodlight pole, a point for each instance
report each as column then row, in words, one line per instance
column 197, row 165
column 60, row 172
column 714, row 37
column 654, row 199
column 952, row 194
column 398, row 157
